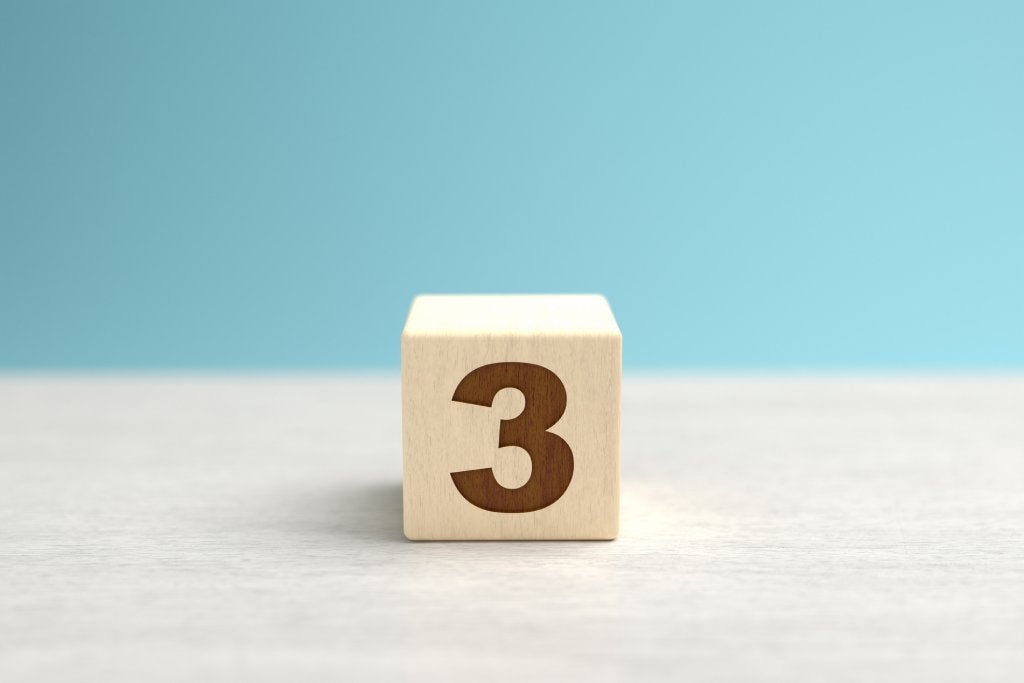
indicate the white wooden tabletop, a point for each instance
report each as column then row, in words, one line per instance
column 248, row 528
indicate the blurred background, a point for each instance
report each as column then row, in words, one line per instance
column 753, row 185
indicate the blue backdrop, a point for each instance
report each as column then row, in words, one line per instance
column 752, row 185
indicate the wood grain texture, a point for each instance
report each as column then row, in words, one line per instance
column 573, row 344
column 183, row 529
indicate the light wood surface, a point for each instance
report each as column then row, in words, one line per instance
column 570, row 341
column 234, row 528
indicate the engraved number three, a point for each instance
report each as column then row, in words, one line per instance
column 550, row 455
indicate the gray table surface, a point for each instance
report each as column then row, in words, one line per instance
column 249, row 528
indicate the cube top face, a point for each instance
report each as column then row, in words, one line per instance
column 572, row 314
column 510, row 410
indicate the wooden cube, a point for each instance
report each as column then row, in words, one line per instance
column 510, row 418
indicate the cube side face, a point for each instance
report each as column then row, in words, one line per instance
column 442, row 436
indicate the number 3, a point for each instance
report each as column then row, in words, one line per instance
column 550, row 455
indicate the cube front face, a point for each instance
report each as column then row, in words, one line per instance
column 511, row 437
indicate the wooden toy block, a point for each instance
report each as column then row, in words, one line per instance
column 510, row 418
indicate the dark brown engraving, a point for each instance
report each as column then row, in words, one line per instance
column 551, row 456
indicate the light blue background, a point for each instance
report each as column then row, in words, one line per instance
column 753, row 185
